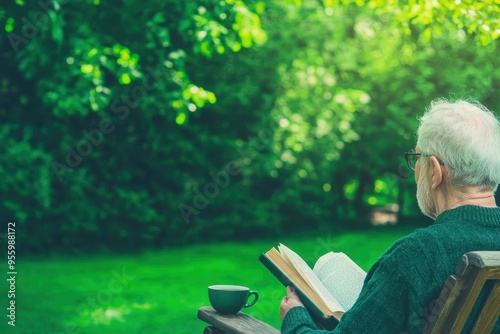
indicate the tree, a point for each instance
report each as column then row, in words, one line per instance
column 113, row 97
column 172, row 122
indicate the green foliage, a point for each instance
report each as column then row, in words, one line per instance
column 428, row 18
column 141, row 125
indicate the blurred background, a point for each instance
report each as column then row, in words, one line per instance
column 150, row 149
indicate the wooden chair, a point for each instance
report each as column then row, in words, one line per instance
column 449, row 314
column 461, row 291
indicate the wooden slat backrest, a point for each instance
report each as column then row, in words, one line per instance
column 460, row 293
column 491, row 311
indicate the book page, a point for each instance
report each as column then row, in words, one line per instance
column 310, row 277
column 341, row 276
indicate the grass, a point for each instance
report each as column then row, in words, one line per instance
column 160, row 291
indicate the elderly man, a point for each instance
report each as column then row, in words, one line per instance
column 457, row 170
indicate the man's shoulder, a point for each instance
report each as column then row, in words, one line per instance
column 414, row 250
column 420, row 239
column 434, row 245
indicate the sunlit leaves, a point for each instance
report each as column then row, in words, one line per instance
column 215, row 33
column 193, row 97
column 210, row 34
column 87, row 68
column 248, row 26
column 181, row 118
column 357, row 90
column 124, row 79
column 198, row 95
column 384, row 190
column 9, row 25
column 480, row 19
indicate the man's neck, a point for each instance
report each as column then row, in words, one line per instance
column 469, row 196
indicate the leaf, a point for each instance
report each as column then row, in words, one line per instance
column 181, row 118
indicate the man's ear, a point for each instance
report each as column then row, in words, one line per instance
column 436, row 172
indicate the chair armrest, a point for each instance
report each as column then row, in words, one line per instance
column 240, row 323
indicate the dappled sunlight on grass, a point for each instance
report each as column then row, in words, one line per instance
column 106, row 316
column 145, row 306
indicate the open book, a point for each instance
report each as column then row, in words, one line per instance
column 327, row 290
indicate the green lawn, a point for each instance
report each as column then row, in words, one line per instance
column 159, row 292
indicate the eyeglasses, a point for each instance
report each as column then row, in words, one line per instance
column 412, row 158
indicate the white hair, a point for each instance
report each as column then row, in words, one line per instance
column 466, row 138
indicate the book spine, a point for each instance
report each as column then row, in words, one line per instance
column 328, row 323
column 275, row 270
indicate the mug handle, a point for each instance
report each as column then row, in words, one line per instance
column 256, row 297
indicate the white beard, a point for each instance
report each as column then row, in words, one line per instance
column 424, row 200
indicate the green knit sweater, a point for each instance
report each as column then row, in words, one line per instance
column 400, row 288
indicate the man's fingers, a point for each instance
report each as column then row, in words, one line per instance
column 290, row 301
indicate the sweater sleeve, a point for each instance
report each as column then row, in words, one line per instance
column 298, row 321
column 382, row 306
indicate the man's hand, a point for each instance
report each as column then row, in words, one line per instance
column 291, row 300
